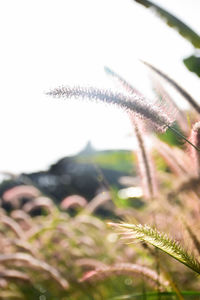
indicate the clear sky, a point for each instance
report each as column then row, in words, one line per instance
column 48, row 43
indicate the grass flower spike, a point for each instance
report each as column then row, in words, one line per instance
column 177, row 87
column 145, row 163
column 125, row 269
column 159, row 240
column 124, row 84
column 133, row 103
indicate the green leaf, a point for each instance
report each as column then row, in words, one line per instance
column 193, row 64
column 154, row 295
column 170, row 138
column 183, row 29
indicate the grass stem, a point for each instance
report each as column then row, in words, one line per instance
column 183, row 137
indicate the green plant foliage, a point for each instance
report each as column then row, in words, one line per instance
column 125, row 202
column 193, row 64
column 158, row 295
column 116, row 160
column 174, row 22
column 169, row 137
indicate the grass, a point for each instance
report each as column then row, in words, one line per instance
column 60, row 256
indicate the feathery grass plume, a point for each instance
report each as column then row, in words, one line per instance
column 17, row 192
column 40, row 202
column 28, row 260
column 159, row 240
column 195, row 139
column 176, row 159
column 23, row 218
column 132, row 103
column 127, row 86
column 145, row 164
column 14, row 274
column 90, row 220
column 90, row 262
column 24, row 246
column 97, row 201
column 154, row 114
column 73, row 201
column 171, row 104
column 147, row 172
column 164, row 106
column 13, row 225
column 125, row 269
column 185, row 94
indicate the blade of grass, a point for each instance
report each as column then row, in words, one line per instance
column 154, row 294
column 183, row 29
column 183, row 137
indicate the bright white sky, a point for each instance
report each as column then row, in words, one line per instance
column 48, row 43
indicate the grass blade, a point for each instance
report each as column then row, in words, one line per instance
column 183, row 29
